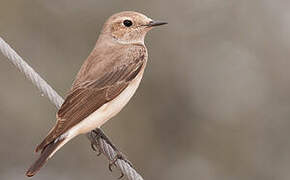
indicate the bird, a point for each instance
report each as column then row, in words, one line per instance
column 104, row 84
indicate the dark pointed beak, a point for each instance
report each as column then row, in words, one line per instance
column 155, row 23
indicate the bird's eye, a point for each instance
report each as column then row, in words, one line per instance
column 127, row 23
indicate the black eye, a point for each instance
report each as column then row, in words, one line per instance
column 127, row 23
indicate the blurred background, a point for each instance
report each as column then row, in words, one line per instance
column 214, row 102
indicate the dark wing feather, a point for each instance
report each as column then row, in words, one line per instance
column 87, row 97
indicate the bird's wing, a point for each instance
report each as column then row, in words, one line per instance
column 88, row 96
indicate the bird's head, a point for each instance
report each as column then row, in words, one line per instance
column 129, row 27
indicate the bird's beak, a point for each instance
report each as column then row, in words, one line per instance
column 155, row 23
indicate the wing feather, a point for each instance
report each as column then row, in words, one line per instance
column 87, row 97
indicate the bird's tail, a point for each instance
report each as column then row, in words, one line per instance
column 46, row 153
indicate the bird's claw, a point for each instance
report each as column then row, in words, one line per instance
column 97, row 135
column 93, row 146
column 117, row 157
column 113, row 162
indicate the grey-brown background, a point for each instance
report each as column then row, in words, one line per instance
column 214, row 103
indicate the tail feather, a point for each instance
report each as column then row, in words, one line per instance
column 49, row 138
column 41, row 146
column 46, row 153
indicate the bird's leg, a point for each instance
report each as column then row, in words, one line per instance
column 100, row 134
column 95, row 143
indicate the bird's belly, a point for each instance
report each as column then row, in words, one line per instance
column 108, row 110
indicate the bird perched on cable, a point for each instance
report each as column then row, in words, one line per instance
column 105, row 83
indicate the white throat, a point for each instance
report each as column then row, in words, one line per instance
column 141, row 41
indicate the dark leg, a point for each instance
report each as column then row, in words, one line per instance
column 100, row 134
column 94, row 143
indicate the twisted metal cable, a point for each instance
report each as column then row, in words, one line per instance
column 57, row 100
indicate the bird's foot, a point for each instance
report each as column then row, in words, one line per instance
column 95, row 143
column 93, row 146
column 99, row 134
column 119, row 156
